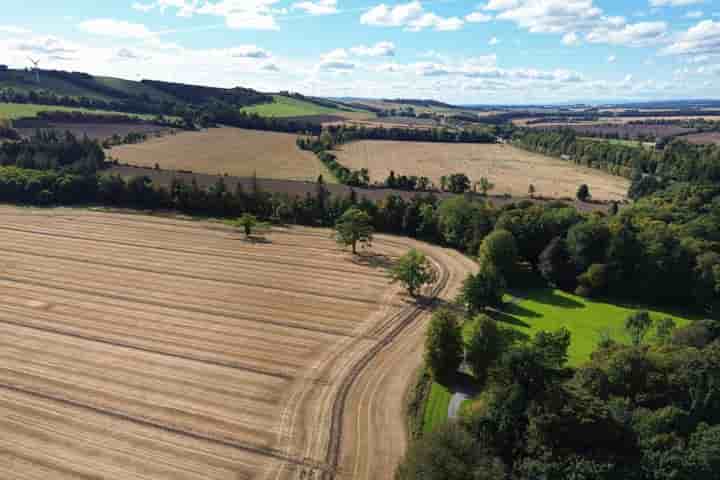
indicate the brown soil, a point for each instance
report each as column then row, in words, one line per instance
column 141, row 347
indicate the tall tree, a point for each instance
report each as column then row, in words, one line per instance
column 483, row 290
column 354, row 227
column 443, row 345
column 413, row 271
column 500, row 250
column 484, row 345
column 638, row 325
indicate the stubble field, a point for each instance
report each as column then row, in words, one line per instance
column 512, row 170
column 227, row 150
column 156, row 348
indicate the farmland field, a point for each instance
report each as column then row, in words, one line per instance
column 22, row 110
column 227, row 150
column 703, row 138
column 511, row 170
column 292, row 107
column 151, row 348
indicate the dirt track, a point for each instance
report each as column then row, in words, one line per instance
column 156, row 348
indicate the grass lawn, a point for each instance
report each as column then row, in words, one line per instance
column 25, row 110
column 292, row 107
column 436, row 409
column 587, row 320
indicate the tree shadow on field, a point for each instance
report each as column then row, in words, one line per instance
column 256, row 239
column 503, row 317
column 551, row 297
column 517, row 309
column 373, row 260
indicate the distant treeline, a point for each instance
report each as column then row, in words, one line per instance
column 48, row 150
column 200, row 95
column 650, row 170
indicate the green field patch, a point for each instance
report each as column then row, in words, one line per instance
column 14, row 111
column 436, row 408
column 283, row 106
column 529, row 312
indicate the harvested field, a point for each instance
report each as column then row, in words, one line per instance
column 706, row 138
column 227, row 150
column 511, row 170
column 150, row 348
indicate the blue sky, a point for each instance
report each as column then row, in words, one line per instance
column 492, row 51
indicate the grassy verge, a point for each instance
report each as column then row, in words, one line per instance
column 588, row 320
column 417, row 402
column 436, row 407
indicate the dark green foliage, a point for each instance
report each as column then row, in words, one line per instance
column 449, row 453
column 638, row 326
column 500, row 250
column 413, row 271
column 555, row 265
column 583, row 193
column 484, row 346
column 482, row 290
column 443, row 345
column 354, row 227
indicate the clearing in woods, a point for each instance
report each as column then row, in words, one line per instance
column 512, row 170
column 228, row 150
column 145, row 347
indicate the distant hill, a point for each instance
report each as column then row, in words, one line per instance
column 147, row 96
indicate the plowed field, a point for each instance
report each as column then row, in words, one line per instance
column 135, row 347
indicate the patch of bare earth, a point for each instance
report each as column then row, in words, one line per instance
column 138, row 347
column 226, row 150
column 512, row 170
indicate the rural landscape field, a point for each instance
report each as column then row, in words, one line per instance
column 501, row 164
column 187, row 352
column 231, row 151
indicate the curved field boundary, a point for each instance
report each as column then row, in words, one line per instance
column 408, row 316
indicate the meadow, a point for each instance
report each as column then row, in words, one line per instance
column 14, row 111
column 283, row 106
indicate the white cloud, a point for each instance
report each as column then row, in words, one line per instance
column 493, row 41
column 703, row 38
column 478, row 17
column 143, row 7
column 115, row 28
column 695, row 14
column 571, row 39
column 317, row 7
column 248, row 51
column 631, row 35
column 411, row 15
column 572, row 18
column 612, row 59
column 336, row 60
column 238, row 14
column 674, row 3
column 380, row 49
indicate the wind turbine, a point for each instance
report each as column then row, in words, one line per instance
column 37, row 70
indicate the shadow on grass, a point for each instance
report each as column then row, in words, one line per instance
column 517, row 309
column 509, row 319
column 551, row 297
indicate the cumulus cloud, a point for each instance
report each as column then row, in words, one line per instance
column 238, row 14
column 115, row 28
column 571, row 39
column 336, row 60
column 380, row 49
column 248, row 51
column 478, row 17
column 695, row 14
column 13, row 30
column 573, row 18
column 636, row 34
column 674, row 3
column 493, row 41
column 703, row 38
column 612, row 59
column 412, row 16
column 318, row 7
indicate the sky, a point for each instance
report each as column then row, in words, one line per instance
column 457, row 51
